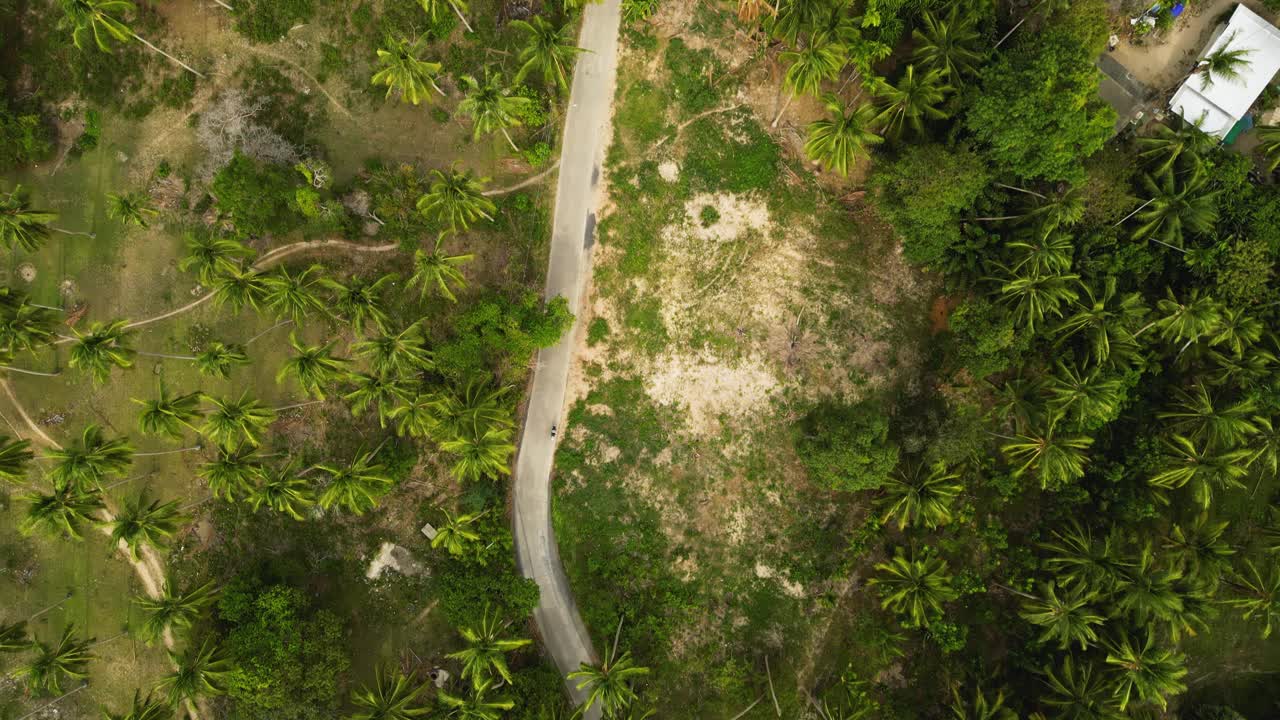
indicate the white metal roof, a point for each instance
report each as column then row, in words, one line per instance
column 1216, row 109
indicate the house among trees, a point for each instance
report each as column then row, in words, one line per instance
column 1241, row 58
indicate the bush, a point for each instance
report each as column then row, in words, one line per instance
column 500, row 335
column 847, row 447
column 466, row 589
column 24, row 139
column 597, row 331
column 255, row 196
column 92, row 133
column 265, row 21
column 689, row 76
column 718, row 162
column 177, row 90
column 986, row 340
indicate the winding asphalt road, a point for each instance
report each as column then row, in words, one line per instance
column 586, row 134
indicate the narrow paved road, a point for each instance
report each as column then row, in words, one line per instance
column 586, row 134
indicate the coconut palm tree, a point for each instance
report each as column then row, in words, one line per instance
column 434, row 8
column 403, row 69
column 235, row 423
column 1067, row 619
column 1269, row 144
column 915, row 499
column 292, row 295
column 21, row 226
column 380, row 391
column 1261, row 597
column 103, row 347
column 436, row 270
column 83, row 464
column 143, row 521
column 147, row 708
column 283, row 490
column 1199, row 315
column 949, row 44
column 360, row 300
column 817, row 61
column 1146, row 672
column 1224, row 63
column 1198, row 549
column 97, row 19
column 1080, row 692
column 401, row 354
column 1090, row 398
column 24, row 325
column 456, row 199
column 492, row 106
column 232, row 475
column 978, row 707
column 790, row 17
column 836, row 142
column 1178, row 204
column 239, row 288
column 486, row 652
column 61, row 513
column 1106, row 321
column 480, row 454
column 548, row 49
column 1042, row 253
column 201, row 671
column 609, row 684
column 130, row 208
column 419, row 416
column 914, row 99
column 1199, row 466
column 1237, row 331
column 67, row 659
column 1200, row 417
column 475, row 409
column 13, row 637
column 1055, row 459
column 392, row 697
column 356, row 487
column 475, row 706
column 14, row 456
column 169, row 415
column 914, row 587
column 1148, row 591
column 219, row 359
column 174, row 610
column 1037, row 296
column 1165, row 146
column 314, row 366
column 1083, row 561
column 209, row 255
column 456, row 535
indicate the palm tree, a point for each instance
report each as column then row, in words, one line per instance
column 480, row 453
column 67, row 659
column 20, row 225
column 380, row 391
column 492, row 106
column 294, row 295
column 475, row 409
column 1200, row 466
column 979, row 707
column 821, row 59
column 1106, row 322
column 433, row 9
column 1042, row 251
column 836, row 142
column 401, row 354
column 1148, row 673
column 232, row 475
column 1067, row 619
column 436, row 270
column 475, row 706
column 61, row 513
column 1167, row 146
column 218, row 360
column 1198, row 550
column 356, row 487
column 1179, row 203
column 234, row 423
column 169, row 415
column 548, row 49
column 609, row 684
column 1148, row 592
column 1085, row 562
column 24, row 325
column 1036, row 296
column 103, row 347
column 173, row 609
column 1262, row 598
column 360, row 301
column 283, row 490
column 914, row 587
column 948, row 44
column 1238, row 330
column 146, row 522
column 1056, row 459
column 147, row 708
column 238, row 288
column 96, row 18
column 14, row 457
column 456, row 535
column 1199, row 416
column 313, row 366
column 1198, row 316
column 913, row 100
column 1090, row 398
column 209, row 255
column 419, row 416
column 1080, row 693
column 1269, row 144
column 392, row 697
column 456, row 199
column 917, row 499
column 403, row 69
column 130, row 208
column 1222, row 64
column 83, row 464
column 486, row 652
column 201, row 672
column 13, row 637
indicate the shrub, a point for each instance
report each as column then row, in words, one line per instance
column 719, row 162
column 265, row 21
column 24, row 139
column 597, row 331
column 986, row 341
column 847, row 447
column 689, row 68
column 177, row 90
column 92, row 133
column 255, row 196
column 708, row 216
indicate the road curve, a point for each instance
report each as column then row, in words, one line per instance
column 586, row 135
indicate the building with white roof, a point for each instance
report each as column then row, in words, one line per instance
column 1217, row 107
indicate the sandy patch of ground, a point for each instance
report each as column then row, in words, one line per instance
column 707, row 387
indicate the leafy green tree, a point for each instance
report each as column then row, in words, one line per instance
column 610, row 684
column 147, row 708
column 402, row 354
column 169, row 415
column 486, row 651
column 951, row 43
column 219, row 359
column 174, row 610
column 1178, row 204
column 83, row 464
column 1068, row 619
column 202, row 671
column 836, row 142
column 914, row 99
column 146, row 522
column 1201, row 467
column 232, row 475
column 283, row 490
column 356, row 487
column 1146, row 672
column 918, row 499
column 380, row 391
column 294, row 295
column 1165, row 146
column 1261, row 598
column 67, row 659
column 62, row 513
column 914, row 587
column 456, row 199
column 21, row 226
column 1055, row 459
column 15, row 456
column 401, row 68
column 491, row 106
column 210, row 255
column 1224, row 63
column 391, row 697
column 1106, row 321
column 130, row 208
column 1080, row 692
column 256, row 196
column 437, row 271
column 456, row 535
column 547, row 49
column 847, row 448
column 103, row 347
column 239, row 288
column 360, row 300
column 313, row 366
column 235, row 423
